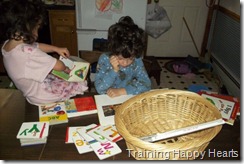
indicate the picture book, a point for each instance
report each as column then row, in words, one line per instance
column 106, row 105
column 32, row 133
column 228, row 107
column 73, row 131
column 55, row 113
column 80, row 106
column 79, row 69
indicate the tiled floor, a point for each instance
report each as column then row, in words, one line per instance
column 175, row 81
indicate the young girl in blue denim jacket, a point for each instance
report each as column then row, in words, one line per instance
column 121, row 70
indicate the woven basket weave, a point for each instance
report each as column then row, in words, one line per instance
column 162, row 110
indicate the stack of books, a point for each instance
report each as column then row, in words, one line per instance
column 33, row 133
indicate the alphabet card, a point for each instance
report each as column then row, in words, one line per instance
column 31, row 133
column 106, row 149
column 110, row 132
column 73, row 131
column 102, row 150
column 81, row 145
column 96, row 134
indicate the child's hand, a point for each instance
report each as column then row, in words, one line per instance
column 115, row 63
column 115, row 92
column 64, row 52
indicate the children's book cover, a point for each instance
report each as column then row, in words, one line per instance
column 79, row 69
column 80, row 106
column 55, row 113
column 227, row 107
column 106, row 106
column 33, row 130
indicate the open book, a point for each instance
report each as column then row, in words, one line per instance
column 106, row 105
column 79, row 69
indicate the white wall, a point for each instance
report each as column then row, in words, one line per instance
column 167, row 45
column 177, row 42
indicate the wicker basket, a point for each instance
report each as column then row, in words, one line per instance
column 163, row 110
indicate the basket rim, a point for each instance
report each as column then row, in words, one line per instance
column 158, row 146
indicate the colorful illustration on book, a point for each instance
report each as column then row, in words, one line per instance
column 221, row 106
column 70, row 106
column 33, row 130
column 56, row 108
column 55, row 113
column 80, row 104
column 80, row 72
column 227, row 105
column 109, row 110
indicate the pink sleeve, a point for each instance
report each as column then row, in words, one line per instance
column 38, row 65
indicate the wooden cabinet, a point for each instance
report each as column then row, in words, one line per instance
column 63, row 29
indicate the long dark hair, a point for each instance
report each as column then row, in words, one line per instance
column 126, row 38
column 18, row 19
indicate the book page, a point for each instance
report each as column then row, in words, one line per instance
column 105, row 107
column 69, row 63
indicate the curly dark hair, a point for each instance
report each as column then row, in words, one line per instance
column 126, row 38
column 18, row 19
